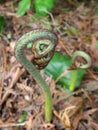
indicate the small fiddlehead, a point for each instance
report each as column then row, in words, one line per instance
column 42, row 43
column 85, row 56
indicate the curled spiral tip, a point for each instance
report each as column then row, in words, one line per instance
column 85, row 56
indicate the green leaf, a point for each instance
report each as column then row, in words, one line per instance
column 74, row 30
column 58, row 65
column 23, row 117
column 67, row 31
column 96, row 10
column 23, row 6
column 41, row 7
column 96, row 68
column 2, row 23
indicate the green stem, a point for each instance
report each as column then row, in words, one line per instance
column 37, row 37
column 73, row 80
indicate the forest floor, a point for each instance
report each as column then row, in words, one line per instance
column 21, row 99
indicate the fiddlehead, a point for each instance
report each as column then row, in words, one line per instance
column 85, row 56
column 42, row 43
